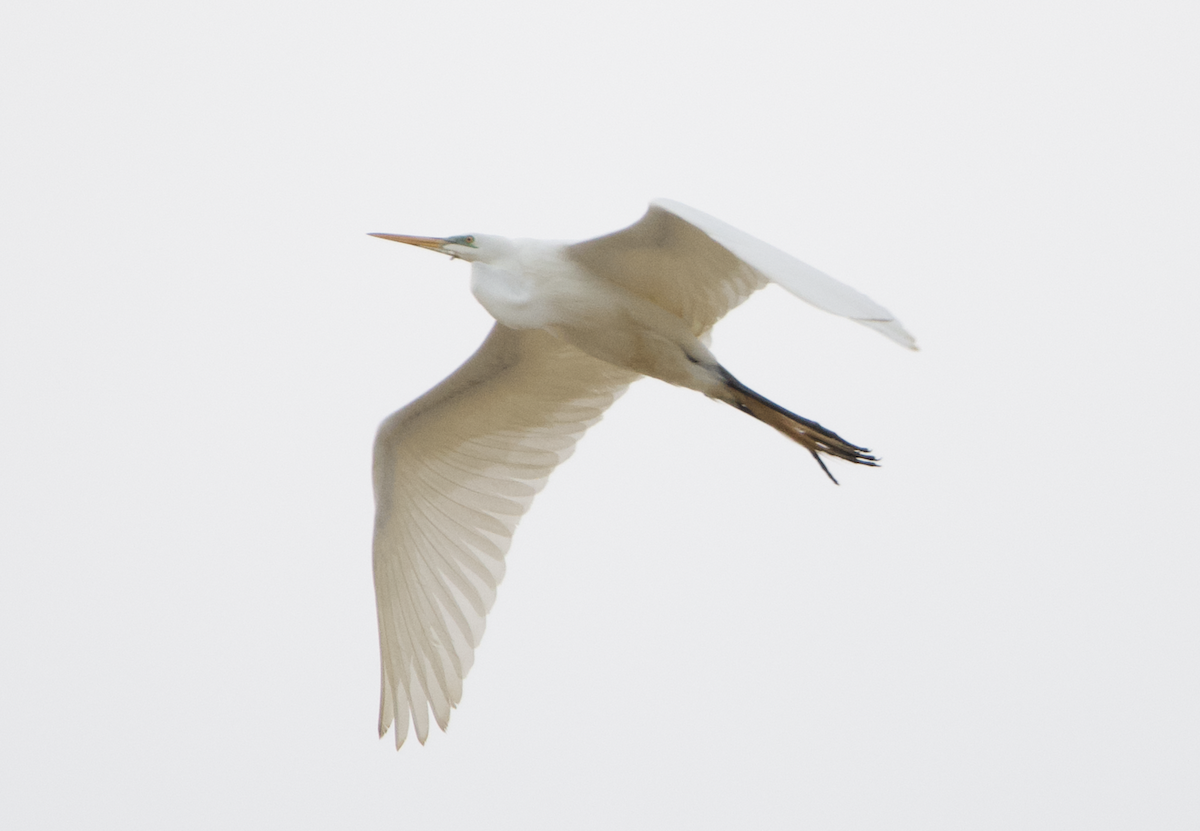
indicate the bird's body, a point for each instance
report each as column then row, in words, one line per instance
column 600, row 318
column 576, row 323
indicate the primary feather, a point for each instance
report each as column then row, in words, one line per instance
column 454, row 472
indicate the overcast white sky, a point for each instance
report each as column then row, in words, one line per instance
column 997, row 629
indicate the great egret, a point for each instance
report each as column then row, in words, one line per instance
column 456, row 469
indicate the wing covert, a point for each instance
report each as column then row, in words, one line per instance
column 672, row 263
column 454, row 472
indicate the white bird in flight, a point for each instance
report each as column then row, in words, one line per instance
column 456, row 469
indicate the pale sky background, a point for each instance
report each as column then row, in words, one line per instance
column 998, row 629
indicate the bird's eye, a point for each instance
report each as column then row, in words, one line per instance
column 469, row 240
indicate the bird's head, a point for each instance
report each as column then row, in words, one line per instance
column 469, row 247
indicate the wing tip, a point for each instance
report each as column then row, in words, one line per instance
column 890, row 328
column 400, row 723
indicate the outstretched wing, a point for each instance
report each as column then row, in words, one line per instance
column 454, row 472
column 699, row 268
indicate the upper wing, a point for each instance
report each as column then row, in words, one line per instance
column 454, row 472
column 700, row 267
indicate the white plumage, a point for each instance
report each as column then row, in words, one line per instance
column 456, row 469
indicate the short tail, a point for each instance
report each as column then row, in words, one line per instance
column 812, row 436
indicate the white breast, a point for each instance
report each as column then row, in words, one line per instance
column 526, row 291
column 509, row 297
